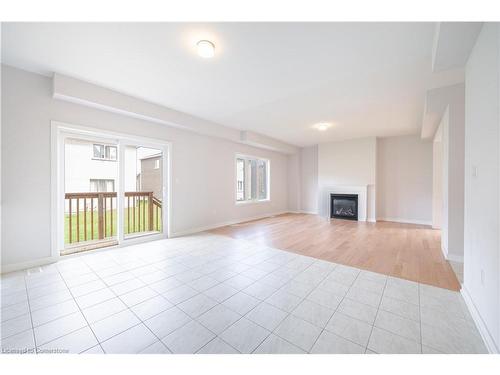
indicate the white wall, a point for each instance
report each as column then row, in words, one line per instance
column 437, row 180
column 455, row 144
column 482, row 144
column 202, row 167
column 450, row 155
column 309, row 179
column 457, row 183
column 399, row 175
column 445, row 216
column 351, row 162
column 404, row 179
column 294, row 182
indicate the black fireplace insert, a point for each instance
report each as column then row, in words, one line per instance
column 344, row 206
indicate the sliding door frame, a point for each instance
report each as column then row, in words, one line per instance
column 59, row 132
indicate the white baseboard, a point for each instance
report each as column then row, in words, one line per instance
column 455, row 258
column 404, row 221
column 451, row 257
column 225, row 223
column 481, row 326
column 444, row 251
column 6, row 268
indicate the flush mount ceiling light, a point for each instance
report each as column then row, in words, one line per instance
column 206, row 49
column 322, row 126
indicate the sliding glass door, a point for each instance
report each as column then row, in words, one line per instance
column 90, row 195
column 112, row 190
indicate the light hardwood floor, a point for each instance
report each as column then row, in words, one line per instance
column 407, row 251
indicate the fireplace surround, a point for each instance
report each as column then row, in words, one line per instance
column 344, row 206
column 324, row 199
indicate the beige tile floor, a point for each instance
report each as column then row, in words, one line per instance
column 213, row 294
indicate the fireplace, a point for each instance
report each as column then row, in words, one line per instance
column 344, row 206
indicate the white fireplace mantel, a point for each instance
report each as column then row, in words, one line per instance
column 360, row 190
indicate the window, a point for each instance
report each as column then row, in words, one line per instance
column 252, row 179
column 104, row 152
column 102, row 186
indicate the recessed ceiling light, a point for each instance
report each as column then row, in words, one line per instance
column 206, row 49
column 322, row 126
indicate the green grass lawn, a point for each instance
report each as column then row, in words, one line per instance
column 143, row 227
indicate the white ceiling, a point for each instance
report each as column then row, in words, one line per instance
column 278, row 79
column 453, row 43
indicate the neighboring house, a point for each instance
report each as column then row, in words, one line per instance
column 93, row 167
column 90, row 167
column 150, row 177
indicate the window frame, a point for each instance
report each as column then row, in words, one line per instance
column 100, row 180
column 105, row 147
column 268, row 179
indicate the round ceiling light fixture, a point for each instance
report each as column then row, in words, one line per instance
column 322, row 126
column 206, row 49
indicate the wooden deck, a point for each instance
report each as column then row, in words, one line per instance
column 408, row 251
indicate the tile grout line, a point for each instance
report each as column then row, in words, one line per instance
column 403, row 317
column 314, row 343
column 335, row 311
column 243, row 316
column 221, row 303
column 173, row 305
column 81, row 312
column 116, row 296
column 289, row 313
column 376, row 315
column 260, row 302
column 33, row 327
column 127, row 308
column 29, row 311
column 373, row 325
column 304, row 299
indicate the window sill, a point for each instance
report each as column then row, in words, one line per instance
column 244, row 203
column 101, row 159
